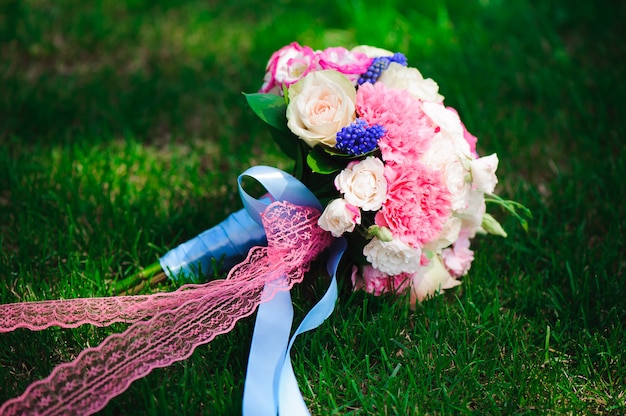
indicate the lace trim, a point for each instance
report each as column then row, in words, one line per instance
column 181, row 320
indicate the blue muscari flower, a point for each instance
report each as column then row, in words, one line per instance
column 378, row 65
column 357, row 138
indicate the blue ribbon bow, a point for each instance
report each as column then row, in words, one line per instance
column 270, row 387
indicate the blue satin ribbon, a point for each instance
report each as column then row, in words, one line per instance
column 228, row 241
column 271, row 387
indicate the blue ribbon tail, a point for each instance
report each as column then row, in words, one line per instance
column 277, row 376
column 290, row 401
column 271, row 332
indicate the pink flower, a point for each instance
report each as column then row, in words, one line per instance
column 409, row 129
column 376, row 282
column 417, row 206
column 351, row 64
column 287, row 66
column 458, row 258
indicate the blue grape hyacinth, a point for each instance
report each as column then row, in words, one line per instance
column 378, row 65
column 358, row 138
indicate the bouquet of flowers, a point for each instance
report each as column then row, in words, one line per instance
column 397, row 169
column 386, row 179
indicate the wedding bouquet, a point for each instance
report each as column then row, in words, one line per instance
column 397, row 169
column 387, row 180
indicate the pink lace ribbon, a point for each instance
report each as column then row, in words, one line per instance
column 179, row 321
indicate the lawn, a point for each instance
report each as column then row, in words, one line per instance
column 123, row 129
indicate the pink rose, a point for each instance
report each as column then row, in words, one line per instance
column 417, row 205
column 351, row 64
column 287, row 66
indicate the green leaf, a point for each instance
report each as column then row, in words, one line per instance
column 320, row 161
column 270, row 108
column 287, row 142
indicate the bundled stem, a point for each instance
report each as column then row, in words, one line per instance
column 149, row 276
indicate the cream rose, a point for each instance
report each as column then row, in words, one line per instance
column 484, row 173
column 407, row 78
column 363, row 184
column 339, row 217
column 431, row 279
column 393, row 257
column 320, row 105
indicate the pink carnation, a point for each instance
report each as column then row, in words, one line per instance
column 458, row 258
column 409, row 129
column 287, row 66
column 376, row 282
column 417, row 206
column 350, row 64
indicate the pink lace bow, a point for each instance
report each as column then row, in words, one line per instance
column 178, row 321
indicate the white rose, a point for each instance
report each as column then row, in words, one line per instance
column 371, row 51
column 363, row 184
column 408, row 78
column 339, row 217
column 484, row 173
column 430, row 280
column 393, row 257
column 321, row 104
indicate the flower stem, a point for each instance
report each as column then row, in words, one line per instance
column 150, row 275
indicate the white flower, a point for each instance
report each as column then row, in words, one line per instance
column 484, row 173
column 393, row 257
column 339, row 217
column 472, row 216
column 363, row 184
column 448, row 235
column 371, row 51
column 320, row 105
column 407, row 78
column 430, row 280
column 448, row 120
column 444, row 156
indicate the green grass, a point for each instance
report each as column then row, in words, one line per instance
column 123, row 128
